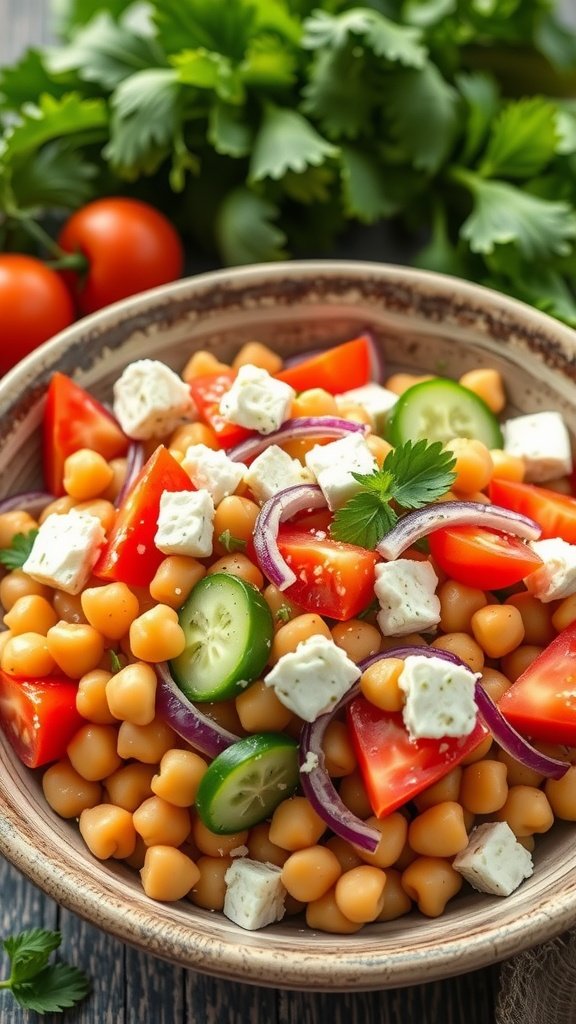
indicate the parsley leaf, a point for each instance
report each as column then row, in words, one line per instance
column 287, row 141
column 52, row 118
column 396, row 43
column 21, row 546
column 523, row 140
column 424, row 111
column 231, row 543
column 246, row 230
column 116, row 663
column 36, row 984
column 58, row 177
column 482, row 100
column 366, row 186
column 413, row 475
column 284, row 613
column 228, row 130
column 145, row 115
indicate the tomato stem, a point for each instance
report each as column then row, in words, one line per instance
column 62, row 260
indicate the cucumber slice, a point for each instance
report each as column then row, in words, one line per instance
column 229, row 629
column 439, row 410
column 247, row 781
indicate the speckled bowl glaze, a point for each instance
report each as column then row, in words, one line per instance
column 422, row 321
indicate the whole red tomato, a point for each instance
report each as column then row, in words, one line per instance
column 34, row 305
column 129, row 247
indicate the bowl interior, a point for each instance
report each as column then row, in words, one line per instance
column 421, row 322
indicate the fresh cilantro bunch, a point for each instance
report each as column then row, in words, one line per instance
column 414, row 474
column 264, row 127
column 37, row 984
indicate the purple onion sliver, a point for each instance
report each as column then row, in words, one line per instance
column 185, row 719
column 275, row 511
column 422, row 521
column 29, row 501
column 134, row 463
column 513, row 743
column 294, row 429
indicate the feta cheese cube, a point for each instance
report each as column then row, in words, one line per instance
column 150, row 400
column 212, row 471
column 65, row 551
column 274, row 470
column 185, row 523
column 406, row 591
column 333, row 464
column 439, row 698
column 494, row 861
column 375, row 399
column 312, row 679
column 542, row 440
column 254, row 893
column 556, row 577
column 257, row 401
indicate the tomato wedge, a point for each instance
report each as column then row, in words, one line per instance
column 339, row 369
column 39, row 716
column 130, row 554
column 332, row 578
column 555, row 513
column 73, row 419
column 207, row 391
column 482, row 558
column 541, row 703
column 394, row 767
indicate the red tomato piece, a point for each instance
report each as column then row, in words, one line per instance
column 39, row 716
column 130, row 554
column 541, row 703
column 555, row 513
column 73, row 419
column 336, row 370
column 394, row 767
column 332, row 578
column 482, row 558
column 207, row 391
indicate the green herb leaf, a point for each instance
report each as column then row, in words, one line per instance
column 340, row 95
column 231, row 543
column 49, row 119
column 106, row 51
column 221, row 26
column 425, row 115
column 29, row 952
column 413, row 475
column 540, row 228
column 283, row 613
column 482, row 99
column 53, row 989
column 246, row 230
column 421, row 471
column 285, row 142
column 229, row 131
column 27, row 78
column 145, row 117
column 523, row 140
column 398, row 44
column 116, row 663
column 368, row 187
column 58, row 178
column 206, row 70
column 268, row 65
column 21, row 546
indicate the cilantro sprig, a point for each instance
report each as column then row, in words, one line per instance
column 21, row 546
column 231, row 543
column 35, row 983
column 413, row 475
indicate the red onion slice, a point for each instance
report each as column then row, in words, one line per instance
column 134, row 463
column 30, row 501
column 319, row 788
column 294, row 429
column 422, row 521
column 191, row 724
column 276, row 510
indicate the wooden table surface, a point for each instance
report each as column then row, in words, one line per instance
column 130, row 987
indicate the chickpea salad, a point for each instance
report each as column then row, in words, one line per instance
column 297, row 637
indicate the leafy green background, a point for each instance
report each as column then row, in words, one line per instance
column 265, row 128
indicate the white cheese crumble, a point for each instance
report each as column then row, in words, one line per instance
column 312, row 679
column 333, row 464
column 212, row 471
column 257, row 400
column 542, row 440
column 556, row 577
column 273, row 471
column 185, row 524
column 150, row 400
column 406, row 591
column 494, row 861
column 255, row 893
column 439, row 698
column 65, row 551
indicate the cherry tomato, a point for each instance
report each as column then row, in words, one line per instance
column 38, row 716
column 130, row 554
column 554, row 512
column 34, row 305
column 394, row 767
column 482, row 558
column 129, row 246
column 339, row 369
column 332, row 578
column 542, row 701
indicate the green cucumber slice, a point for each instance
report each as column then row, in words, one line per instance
column 246, row 782
column 439, row 410
column 229, row 629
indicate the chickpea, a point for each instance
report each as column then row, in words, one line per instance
column 296, row 825
column 359, row 893
column 160, row 823
column 357, row 638
column 156, row 635
column 76, row 648
column 67, row 792
column 439, row 831
column 431, row 882
column 179, row 777
column 168, row 874
column 130, row 785
column 396, row 901
column 108, row 831
column 308, row 874
column 261, row 848
column 91, row 700
column 498, row 629
column 484, row 787
column 526, row 810
column 92, row 751
column 131, row 693
column 209, row 889
column 110, row 609
column 393, row 832
column 324, row 915
column 174, row 579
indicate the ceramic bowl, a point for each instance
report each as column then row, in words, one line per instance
column 421, row 321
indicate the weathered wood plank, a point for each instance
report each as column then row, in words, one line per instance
column 209, row 1001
